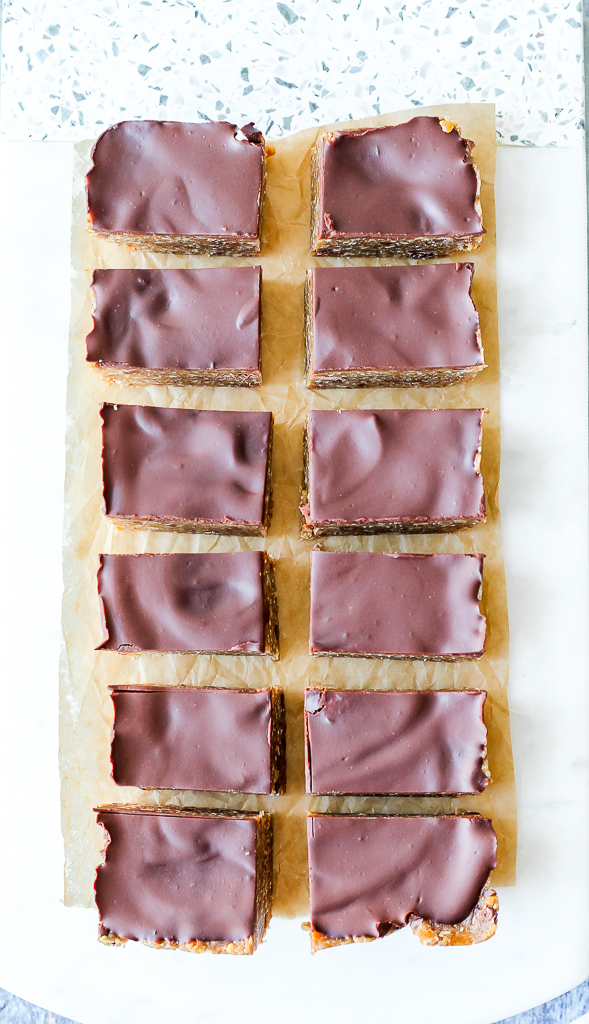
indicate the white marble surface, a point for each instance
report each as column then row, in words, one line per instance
column 70, row 69
column 49, row 954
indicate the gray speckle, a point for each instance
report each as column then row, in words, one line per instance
column 287, row 85
column 287, row 13
column 502, row 25
column 142, row 69
column 467, row 83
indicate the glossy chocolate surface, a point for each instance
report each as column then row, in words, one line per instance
column 400, row 317
column 369, row 872
column 414, row 464
column 179, row 877
column 177, row 319
column 176, row 178
column 411, row 180
column 396, row 604
column 185, row 464
column 197, row 602
column 170, row 737
column 379, row 741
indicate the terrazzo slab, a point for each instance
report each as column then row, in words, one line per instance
column 70, row 69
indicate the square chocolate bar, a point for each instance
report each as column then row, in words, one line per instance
column 413, row 326
column 188, row 470
column 406, row 742
column 200, row 738
column 192, row 879
column 189, row 603
column 405, row 190
column 171, row 186
column 392, row 471
column 410, row 607
column 372, row 874
column 177, row 327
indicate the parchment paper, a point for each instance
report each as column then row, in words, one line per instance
column 85, row 704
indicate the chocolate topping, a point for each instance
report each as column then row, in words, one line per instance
column 382, row 317
column 398, row 605
column 180, row 319
column 177, row 877
column 198, row 602
column 367, row 873
column 411, row 180
column 169, row 177
column 185, row 464
column 379, row 741
column 395, row 464
column 169, row 737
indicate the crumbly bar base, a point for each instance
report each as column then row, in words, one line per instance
column 475, row 656
column 270, row 609
column 263, row 895
column 144, row 377
column 418, row 248
column 372, row 377
column 186, row 245
column 480, row 925
column 232, row 529
column 278, row 743
column 341, row 528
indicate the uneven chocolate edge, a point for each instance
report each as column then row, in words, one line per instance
column 480, row 925
column 144, row 377
column 264, row 879
column 235, row 528
column 340, row 792
column 278, row 743
column 344, row 528
column 414, row 247
column 277, row 733
column 372, row 377
column 194, row 245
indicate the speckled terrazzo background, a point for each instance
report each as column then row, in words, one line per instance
column 70, row 68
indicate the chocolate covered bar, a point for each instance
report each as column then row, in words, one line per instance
column 200, row 738
column 399, row 742
column 370, row 875
column 413, row 326
column 177, row 327
column 392, row 470
column 189, row 603
column 171, row 186
column 188, row 470
column 192, row 879
column 373, row 605
column 406, row 190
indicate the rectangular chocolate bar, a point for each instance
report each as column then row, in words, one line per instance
column 396, row 741
column 171, row 186
column 370, row 875
column 201, row 738
column 189, row 603
column 413, row 326
column 177, row 327
column 188, row 470
column 406, row 190
column 192, row 879
column 373, row 605
column 392, row 471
